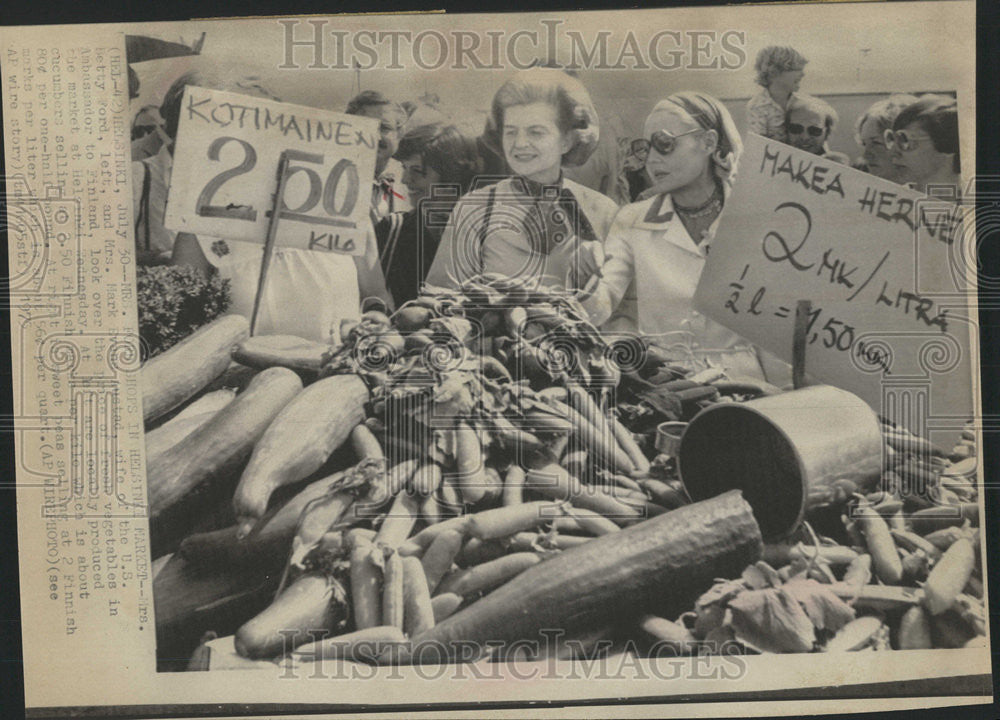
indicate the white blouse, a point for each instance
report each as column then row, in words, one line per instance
column 307, row 292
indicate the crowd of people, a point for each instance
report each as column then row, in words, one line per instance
column 904, row 139
column 538, row 197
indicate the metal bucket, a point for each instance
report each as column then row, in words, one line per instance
column 787, row 453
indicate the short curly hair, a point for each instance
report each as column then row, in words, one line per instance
column 883, row 112
column 576, row 114
column 774, row 60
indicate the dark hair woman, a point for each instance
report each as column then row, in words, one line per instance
column 923, row 143
column 439, row 163
column 869, row 132
column 529, row 227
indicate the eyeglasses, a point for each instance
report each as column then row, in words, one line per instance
column 665, row 143
column 813, row 130
column 902, row 140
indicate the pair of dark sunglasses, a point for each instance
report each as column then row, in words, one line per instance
column 813, row 130
column 665, row 143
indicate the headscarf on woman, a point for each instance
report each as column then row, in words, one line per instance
column 710, row 114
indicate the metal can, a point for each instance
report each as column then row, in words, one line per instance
column 788, row 453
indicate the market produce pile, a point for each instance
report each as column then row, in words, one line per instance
column 482, row 466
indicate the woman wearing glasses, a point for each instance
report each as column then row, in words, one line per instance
column 529, row 227
column 869, row 132
column 923, row 143
column 657, row 247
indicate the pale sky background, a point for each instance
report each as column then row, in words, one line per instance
column 853, row 49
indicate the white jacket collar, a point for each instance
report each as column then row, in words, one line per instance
column 656, row 213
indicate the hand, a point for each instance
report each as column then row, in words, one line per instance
column 589, row 261
column 586, row 274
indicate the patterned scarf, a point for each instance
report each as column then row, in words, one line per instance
column 554, row 215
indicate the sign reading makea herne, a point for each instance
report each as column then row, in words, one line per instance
column 884, row 268
column 225, row 172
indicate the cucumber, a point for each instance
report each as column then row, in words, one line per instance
column 660, row 565
column 298, row 441
column 175, row 375
column 288, row 351
column 206, row 458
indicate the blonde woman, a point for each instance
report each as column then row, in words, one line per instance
column 657, row 247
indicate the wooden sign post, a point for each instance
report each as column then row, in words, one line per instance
column 272, row 231
column 799, row 335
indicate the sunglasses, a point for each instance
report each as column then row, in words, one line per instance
column 813, row 130
column 901, row 140
column 665, row 143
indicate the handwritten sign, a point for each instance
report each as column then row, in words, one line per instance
column 225, row 172
column 884, row 268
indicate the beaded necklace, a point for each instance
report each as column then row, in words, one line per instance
column 692, row 218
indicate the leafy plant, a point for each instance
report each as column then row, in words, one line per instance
column 174, row 301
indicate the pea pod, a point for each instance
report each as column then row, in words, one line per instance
column 859, row 572
column 915, row 630
column 855, row 635
column 366, row 601
column 513, row 486
column 392, row 590
column 911, row 541
column 882, row 548
column 949, row 576
column 418, row 615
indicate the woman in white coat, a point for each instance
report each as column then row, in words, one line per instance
column 657, row 247
column 529, row 227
